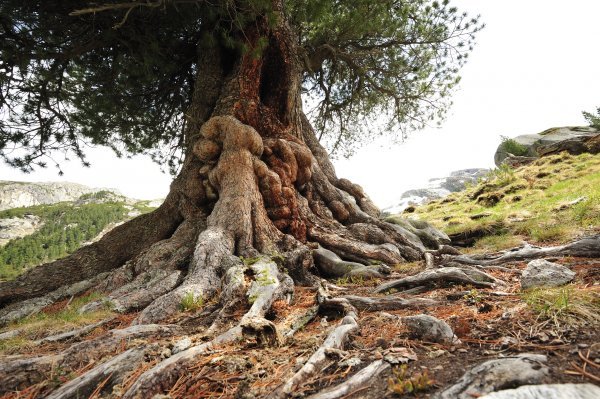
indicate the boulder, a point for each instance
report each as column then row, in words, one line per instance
column 429, row 328
column 574, row 140
column 541, row 273
column 550, row 391
column 494, row 375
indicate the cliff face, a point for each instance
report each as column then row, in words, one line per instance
column 22, row 194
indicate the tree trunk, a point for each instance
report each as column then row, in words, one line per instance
column 256, row 195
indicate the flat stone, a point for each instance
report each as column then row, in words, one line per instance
column 429, row 328
column 523, row 369
column 552, row 391
column 541, row 273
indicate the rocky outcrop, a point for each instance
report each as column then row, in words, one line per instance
column 23, row 194
column 12, row 228
column 438, row 188
column 574, row 140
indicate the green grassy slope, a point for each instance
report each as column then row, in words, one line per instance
column 553, row 200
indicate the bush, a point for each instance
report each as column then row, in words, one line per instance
column 593, row 120
column 512, row 147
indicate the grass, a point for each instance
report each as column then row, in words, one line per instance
column 564, row 305
column 61, row 317
column 402, row 383
column 525, row 204
column 190, row 302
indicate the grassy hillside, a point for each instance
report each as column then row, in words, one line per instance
column 552, row 200
column 66, row 226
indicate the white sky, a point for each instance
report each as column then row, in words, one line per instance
column 536, row 65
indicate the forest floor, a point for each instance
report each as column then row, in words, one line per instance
column 561, row 323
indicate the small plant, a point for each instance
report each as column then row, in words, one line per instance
column 402, row 383
column 473, row 297
column 512, row 147
column 502, row 176
column 566, row 304
column 190, row 302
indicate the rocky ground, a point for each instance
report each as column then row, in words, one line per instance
column 449, row 326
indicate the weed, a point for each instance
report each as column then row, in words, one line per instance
column 190, row 302
column 402, row 383
column 568, row 304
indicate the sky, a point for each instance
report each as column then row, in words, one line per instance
column 535, row 66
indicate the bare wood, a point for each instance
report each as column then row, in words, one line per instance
column 443, row 276
column 361, row 380
column 373, row 304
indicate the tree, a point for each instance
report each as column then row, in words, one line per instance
column 593, row 120
column 215, row 91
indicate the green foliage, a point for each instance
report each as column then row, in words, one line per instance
column 402, row 383
column 65, row 228
column 593, row 120
column 512, row 147
column 365, row 59
column 124, row 77
column 190, row 302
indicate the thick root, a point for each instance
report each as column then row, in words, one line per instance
column 332, row 266
column 588, row 247
column 372, row 304
column 335, row 340
column 102, row 377
column 440, row 277
column 359, row 381
column 265, row 289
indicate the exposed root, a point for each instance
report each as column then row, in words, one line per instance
column 331, row 265
column 372, row 304
column 74, row 334
column 108, row 374
column 359, row 381
column 335, row 340
column 440, row 277
column 266, row 288
column 20, row 372
column 588, row 247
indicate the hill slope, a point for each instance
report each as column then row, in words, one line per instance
column 553, row 200
column 37, row 234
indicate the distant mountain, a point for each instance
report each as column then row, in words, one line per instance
column 41, row 222
column 23, row 194
column 438, row 188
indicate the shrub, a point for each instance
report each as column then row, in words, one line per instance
column 512, row 147
column 593, row 120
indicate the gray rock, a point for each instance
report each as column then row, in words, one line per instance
column 541, row 273
column 494, row 375
column 429, row 328
column 575, row 140
column 553, row 391
column 438, row 188
column 12, row 228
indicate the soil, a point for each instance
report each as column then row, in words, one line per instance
column 490, row 323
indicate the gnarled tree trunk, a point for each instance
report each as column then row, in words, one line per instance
column 255, row 185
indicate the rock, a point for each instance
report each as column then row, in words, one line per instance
column 541, row 273
column 12, row 228
column 429, row 328
column 352, row 362
column 23, row 194
column 437, row 188
column 551, row 391
column 490, row 376
column 574, row 140
column 181, row 345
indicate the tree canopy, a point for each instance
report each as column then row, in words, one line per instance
column 122, row 74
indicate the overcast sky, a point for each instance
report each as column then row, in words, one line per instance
column 536, row 65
